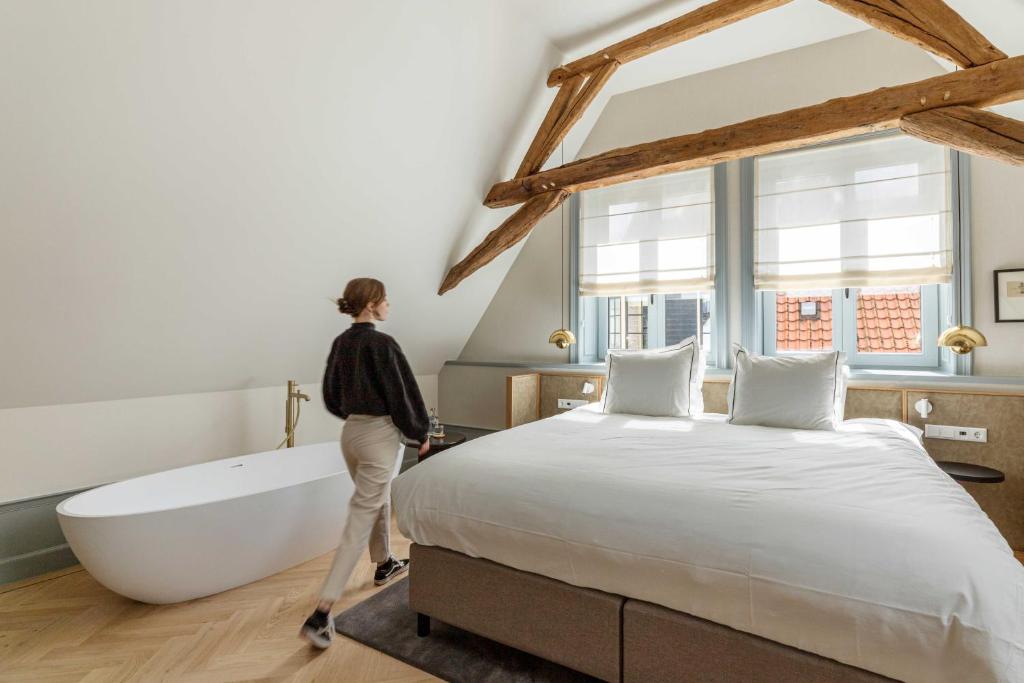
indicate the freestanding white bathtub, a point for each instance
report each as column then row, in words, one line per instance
column 202, row 529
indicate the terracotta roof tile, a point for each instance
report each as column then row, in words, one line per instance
column 796, row 334
column 886, row 323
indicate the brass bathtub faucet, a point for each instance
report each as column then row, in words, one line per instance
column 292, row 409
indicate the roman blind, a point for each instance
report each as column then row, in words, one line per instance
column 649, row 236
column 874, row 212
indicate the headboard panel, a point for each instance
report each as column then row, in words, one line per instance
column 884, row 403
column 534, row 395
column 1003, row 416
column 522, row 399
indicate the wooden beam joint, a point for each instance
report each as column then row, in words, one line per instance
column 970, row 130
column 570, row 103
column 929, row 24
column 704, row 19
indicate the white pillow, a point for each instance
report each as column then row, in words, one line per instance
column 841, row 396
column 655, row 382
column 697, row 368
column 700, row 361
column 806, row 391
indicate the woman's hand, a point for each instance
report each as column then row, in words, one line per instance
column 424, row 447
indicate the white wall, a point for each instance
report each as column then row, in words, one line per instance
column 997, row 219
column 525, row 310
column 50, row 449
column 184, row 186
column 800, row 77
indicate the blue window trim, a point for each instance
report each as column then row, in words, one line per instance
column 720, row 320
column 720, row 298
column 963, row 272
column 752, row 302
column 574, row 270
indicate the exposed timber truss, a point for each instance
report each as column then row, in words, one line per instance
column 946, row 110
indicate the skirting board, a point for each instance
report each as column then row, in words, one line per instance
column 31, row 541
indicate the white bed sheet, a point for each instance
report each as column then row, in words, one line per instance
column 850, row 544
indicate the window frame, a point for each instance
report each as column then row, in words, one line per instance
column 844, row 331
column 750, row 301
column 589, row 315
column 752, row 306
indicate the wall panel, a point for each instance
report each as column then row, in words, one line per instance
column 1003, row 416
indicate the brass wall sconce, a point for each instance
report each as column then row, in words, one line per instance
column 562, row 338
column 962, row 339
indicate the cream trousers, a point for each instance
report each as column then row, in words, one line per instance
column 373, row 448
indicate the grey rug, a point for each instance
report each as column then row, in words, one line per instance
column 385, row 623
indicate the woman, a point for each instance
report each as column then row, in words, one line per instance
column 368, row 383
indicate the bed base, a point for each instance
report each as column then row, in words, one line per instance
column 607, row 636
column 577, row 627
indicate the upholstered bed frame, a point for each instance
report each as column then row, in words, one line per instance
column 607, row 636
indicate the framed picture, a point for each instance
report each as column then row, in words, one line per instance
column 1009, row 286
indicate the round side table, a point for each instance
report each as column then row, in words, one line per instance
column 444, row 443
column 962, row 471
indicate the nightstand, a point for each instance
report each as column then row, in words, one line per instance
column 962, row 471
column 444, row 443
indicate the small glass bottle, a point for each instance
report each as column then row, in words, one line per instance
column 436, row 429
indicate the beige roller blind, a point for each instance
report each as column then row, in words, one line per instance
column 875, row 212
column 649, row 236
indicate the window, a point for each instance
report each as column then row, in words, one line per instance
column 646, row 263
column 614, row 306
column 869, row 213
column 853, row 250
column 644, row 322
column 875, row 326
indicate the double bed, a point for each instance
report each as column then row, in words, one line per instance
column 849, row 548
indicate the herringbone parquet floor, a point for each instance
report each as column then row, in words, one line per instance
column 66, row 627
column 69, row 628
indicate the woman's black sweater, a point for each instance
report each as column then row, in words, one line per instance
column 367, row 374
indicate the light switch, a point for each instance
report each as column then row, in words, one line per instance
column 974, row 434
column 570, row 403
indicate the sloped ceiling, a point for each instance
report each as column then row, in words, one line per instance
column 183, row 186
column 799, row 23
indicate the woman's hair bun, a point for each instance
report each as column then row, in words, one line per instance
column 360, row 293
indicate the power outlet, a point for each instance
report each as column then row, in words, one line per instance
column 974, row 434
column 570, row 403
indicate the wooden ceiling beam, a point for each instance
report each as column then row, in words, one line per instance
column 982, row 86
column 970, row 130
column 563, row 98
column 942, row 109
column 515, row 228
column 930, row 24
column 705, row 19
column 554, row 128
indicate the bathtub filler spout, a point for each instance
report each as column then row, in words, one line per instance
column 292, row 410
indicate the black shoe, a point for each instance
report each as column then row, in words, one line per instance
column 389, row 570
column 318, row 629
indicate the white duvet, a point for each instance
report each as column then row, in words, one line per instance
column 848, row 544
